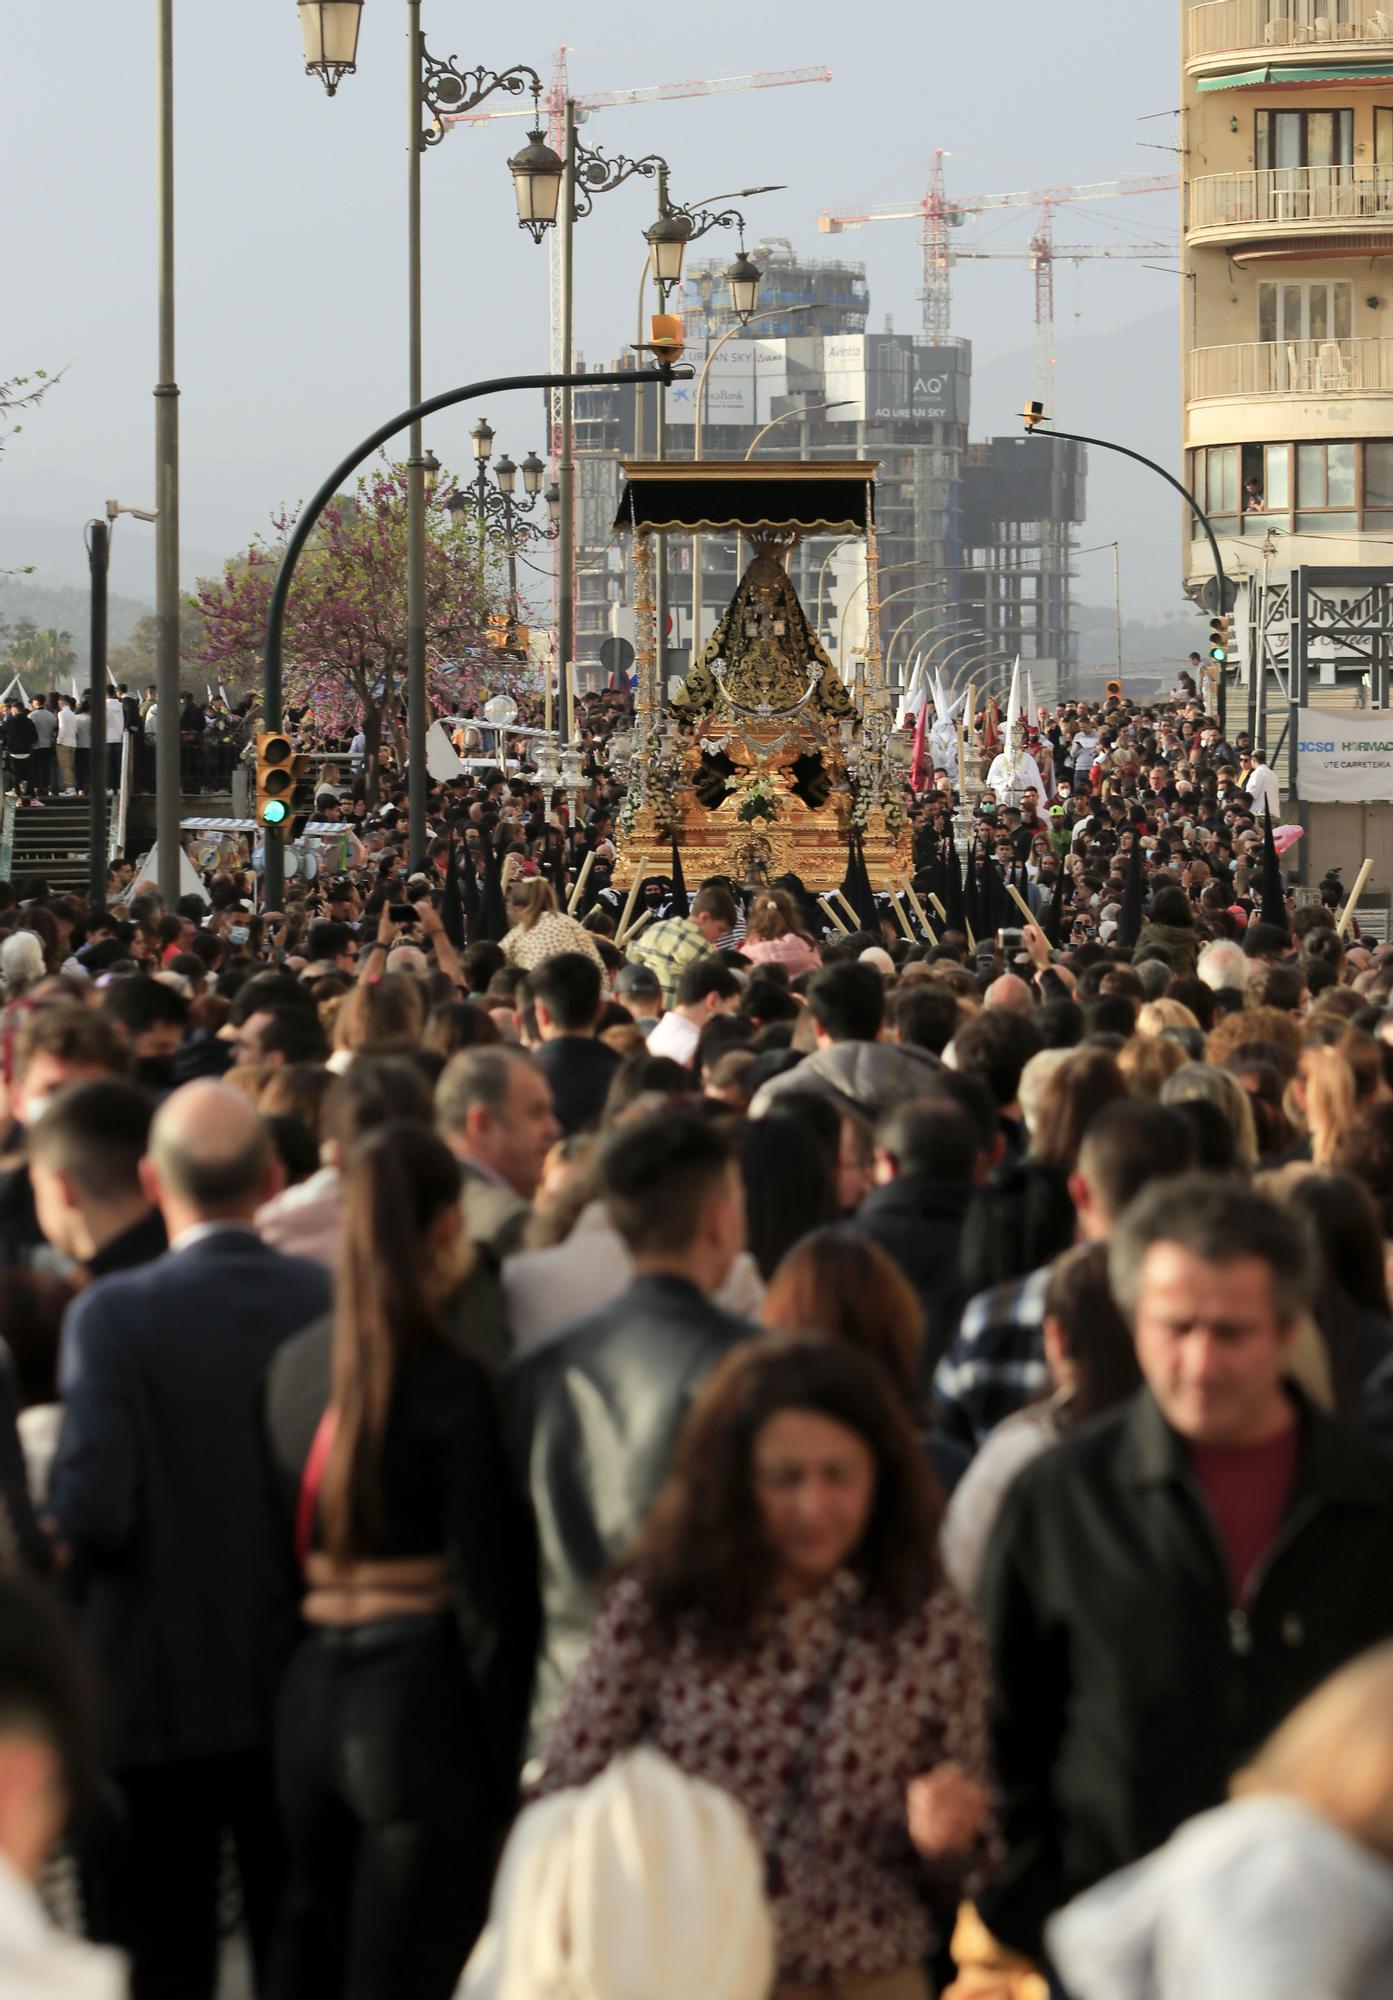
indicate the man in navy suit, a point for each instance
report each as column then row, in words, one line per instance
column 159, row 1494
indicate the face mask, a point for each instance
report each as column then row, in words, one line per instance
column 238, row 934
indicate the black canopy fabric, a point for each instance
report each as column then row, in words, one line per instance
column 814, row 496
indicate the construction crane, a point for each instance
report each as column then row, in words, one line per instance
column 941, row 214
column 1043, row 254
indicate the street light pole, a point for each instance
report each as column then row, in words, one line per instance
column 273, row 643
column 1035, row 416
column 774, row 312
column 417, row 777
column 566, row 474
column 167, row 798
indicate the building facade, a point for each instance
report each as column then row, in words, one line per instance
column 1287, row 330
column 961, row 538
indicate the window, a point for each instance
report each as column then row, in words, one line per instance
column 1284, row 139
column 1320, row 311
column 1221, row 486
column 1383, row 136
column 1378, row 474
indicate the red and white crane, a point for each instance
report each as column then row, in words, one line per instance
column 940, row 214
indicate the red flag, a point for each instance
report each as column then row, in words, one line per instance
column 918, row 770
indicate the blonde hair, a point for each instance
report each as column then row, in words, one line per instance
column 1148, row 1062
column 1322, row 1098
column 1335, row 1753
column 1158, row 1015
column 530, row 900
column 382, row 1015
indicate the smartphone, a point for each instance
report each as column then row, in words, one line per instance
column 402, row 913
column 1010, row 940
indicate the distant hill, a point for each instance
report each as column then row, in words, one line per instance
column 68, row 609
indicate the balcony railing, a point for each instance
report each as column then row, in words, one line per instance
column 1222, row 26
column 1292, row 368
column 1290, row 195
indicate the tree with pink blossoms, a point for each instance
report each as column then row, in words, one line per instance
column 345, row 631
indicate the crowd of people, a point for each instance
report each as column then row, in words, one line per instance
column 859, row 1460
column 46, row 740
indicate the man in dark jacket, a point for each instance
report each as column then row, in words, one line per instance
column 593, row 1414
column 927, row 1162
column 84, row 1160
column 1164, row 1586
column 158, row 1491
column 564, row 994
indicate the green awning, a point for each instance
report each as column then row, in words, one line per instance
column 1307, row 73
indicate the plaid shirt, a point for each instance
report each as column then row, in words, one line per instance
column 995, row 1363
column 667, row 948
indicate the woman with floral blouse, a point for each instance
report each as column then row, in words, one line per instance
column 784, row 1632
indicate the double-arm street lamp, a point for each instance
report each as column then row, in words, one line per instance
column 547, row 187
column 585, row 173
column 500, row 513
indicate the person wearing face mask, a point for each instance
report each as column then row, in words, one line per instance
column 784, row 1632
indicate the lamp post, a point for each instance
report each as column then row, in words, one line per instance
column 803, row 410
column 330, row 31
column 908, row 590
column 309, row 517
column 852, row 595
column 1035, row 417
column 1116, row 548
column 774, row 312
column 498, row 510
column 585, row 172
column 741, row 303
column 167, row 794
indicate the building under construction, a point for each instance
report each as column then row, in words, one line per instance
column 974, row 540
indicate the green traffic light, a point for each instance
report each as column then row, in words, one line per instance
column 1218, row 655
column 274, row 813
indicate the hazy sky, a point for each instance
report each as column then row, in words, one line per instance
column 291, row 215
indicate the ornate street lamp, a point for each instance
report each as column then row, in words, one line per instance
column 533, row 473
column 330, row 29
column 667, row 246
column 430, row 474
column 481, row 440
column 744, row 277
column 505, row 475
column 538, row 173
column 552, row 496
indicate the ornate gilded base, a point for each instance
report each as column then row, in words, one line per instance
column 811, row 845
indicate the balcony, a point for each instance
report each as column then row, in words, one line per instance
column 1319, row 368
column 1258, row 202
column 1271, row 28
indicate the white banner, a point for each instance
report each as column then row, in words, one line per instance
column 1344, row 756
column 744, row 379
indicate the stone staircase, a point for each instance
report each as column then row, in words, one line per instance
column 52, row 840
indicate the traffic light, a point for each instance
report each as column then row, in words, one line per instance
column 1034, row 413
column 284, row 785
column 275, row 778
column 1113, row 690
column 1219, row 639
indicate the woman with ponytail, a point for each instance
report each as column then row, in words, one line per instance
column 402, row 1712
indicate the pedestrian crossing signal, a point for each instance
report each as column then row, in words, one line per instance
column 1219, row 639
